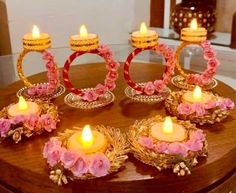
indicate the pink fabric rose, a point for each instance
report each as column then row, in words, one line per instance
column 161, row 48
column 199, row 109
column 32, row 121
column 213, row 63
column 210, row 105
column 169, row 53
column 69, row 158
column 81, row 166
column 18, row 119
column 100, row 89
column 110, row 84
column 47, row 122
column 206, row 44
column 146, row 142
column 195, row 142
column 105, row 51
column 113, row 65
column 90, row 96
column 166, row 79
column 185, row 109
column 197, row 135
column 99, row 165
column 149, row 88
column 161, row 147
column 5, row 126
column 47, row 55
column 113, row 75
column 177, row 148
column 159, row 85
column 32, row 91
column 209, row 53
column 194, row 145
column 225, row 104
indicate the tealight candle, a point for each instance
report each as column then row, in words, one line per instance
column 36, row 40
column 168, row 131
column 144, row 37
column 87, row 141
column 194, row 33
column 84, row 41
column 197, row 96
column 23, row 108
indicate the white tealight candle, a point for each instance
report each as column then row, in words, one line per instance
column 35, row 34
column 23, row 108
column 144, row 32
column 84, row 35
column 168, row 131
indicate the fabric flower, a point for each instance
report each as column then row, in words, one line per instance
column 197, row 135
column 32, row 91
column 149, row 88
column 18, row 119
column 159, row 85
column 213, row 63
column 47, row 122
column 81, row 166
column 5, row 126
column 113, row 65
column 161, row 48
column 100, row 89
column 113, row 75
column 178, row 148
column 210, row 105
column 209, row 53
column 47, row 55
column 199, row 109
column 90, row 96
column 99, row 165
column 68, row 158
column 195, row 142
column 110, row 84
column 32, row 121
column 146, row 142
column 169, row 53
column 185, row 109
column 105, row 51
column 225, row 104
column 161, row 147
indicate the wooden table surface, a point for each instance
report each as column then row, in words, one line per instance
column 23, row 169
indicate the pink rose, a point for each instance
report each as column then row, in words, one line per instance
column 5, row 126
column 90, row 96
column 47, row 55
column 185, row 109
column 69, row 158
column 161, row 48
column 199, row 109
column 209, row 53
column 206, row 44
column 161, row 147
column 159, row 85
column 105, row 51
column 194, row 145
column 100, row 89
column 80, row 167
column 210, row 105
column 169, row 53
column 213, row 63
column 50, row 65
column 225, row 104
column 47, row 122
column 18, row 119
column 113, row 75
column 32, row 121
column 166, row 79
column 197, row 135
column 99, row 165
column 177, row 148
column 146, row 142
column 113, row 65
column 149, row 88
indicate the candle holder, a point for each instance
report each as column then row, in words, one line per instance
column 28, row 125
column 75, row 165
column 215, row 110
column 43, row 91
column 179, row 156
column 205, row 79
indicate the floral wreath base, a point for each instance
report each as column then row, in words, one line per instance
column 66, row 164
column 29, row 125
column 179, row 156
column 212, row 112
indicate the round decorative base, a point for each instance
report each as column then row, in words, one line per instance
column 76, row 101
column 179, row 81
column 24, row 92
column 155, row 98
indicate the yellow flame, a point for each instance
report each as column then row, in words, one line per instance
column 168, row 125
column 143, row 28
column 35, row 32
column 83, row 31
column 87, row 136
column 193, row 24
column 197, row 94
column 22, row 104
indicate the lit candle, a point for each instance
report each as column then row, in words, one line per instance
column 168, row 131
column 197, row 96
column 87, row 141
column 23, row 108
column 36, row 40
column 144, row 37
column 194, row 33
column 84, row 41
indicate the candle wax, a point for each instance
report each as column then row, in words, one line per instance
column 29, row 36
column 14, row 110
column 90, row 36
column 148, row 34
column 188, row 97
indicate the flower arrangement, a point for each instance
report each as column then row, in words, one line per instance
column 29, row 125
column 213, row 111
column 66, row 163
column 180, row 156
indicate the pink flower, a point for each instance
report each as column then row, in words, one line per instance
column 206, row 44
column 169, row 53
column 32, row 91
column 5, row 126
column 32, row 121
column 90, row 96
column 161, row 147
column 209, row 53
column 177, row 148
column 161, row 48
column 69, row 158
column 225, row 104
column 213, row 63
column 146, row 142
column 199, row 109
column 185, row 109
column 99, row 165
column 159, row 85
column 100, row 89
column 18, row 119
column 197, row 135
column 47, row 55
column 113, row 65
column 210, row 105
column 113, row 75
column 149, row 88
column 51, row 66
column 47, row 122
column 166, row 79
column 194, row 145
column 81, row 166
column 110, row 84
column 105, row 51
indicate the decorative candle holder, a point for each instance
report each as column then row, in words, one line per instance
column 39, row 42
column 71, row 164
column 45, row 119
column 101, row 95
column 149, row 92
column 180, row 156
column 214, row 110
column 197, row 36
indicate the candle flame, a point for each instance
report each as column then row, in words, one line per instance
column 22, row 105
column 168, row 125
column 193, row 24
column 87, row 136
column 143, row 28
column 35, row 32
column 197, row 94
column 83, row 31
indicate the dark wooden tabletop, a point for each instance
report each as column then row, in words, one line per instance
column 23, row 168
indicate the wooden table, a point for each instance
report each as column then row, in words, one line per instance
column 23, row 169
